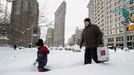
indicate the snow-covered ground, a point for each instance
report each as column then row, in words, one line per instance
column 61, row 62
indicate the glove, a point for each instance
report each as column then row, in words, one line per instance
column 34, row 63
column 101, row 45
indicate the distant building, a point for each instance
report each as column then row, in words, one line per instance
column 75, row 38
column 59, row 28
column 49, row 37
column 71, row 41
column 24, row 22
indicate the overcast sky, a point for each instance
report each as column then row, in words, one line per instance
column 75, row 14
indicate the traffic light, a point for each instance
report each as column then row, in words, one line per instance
column 130, row 27
column 132, row 18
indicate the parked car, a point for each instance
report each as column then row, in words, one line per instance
column 130, row 47
column 51, row 48
column 55, row 48
column 110, row 47
column 60, row 48
column 68, row 48
column 76, row 48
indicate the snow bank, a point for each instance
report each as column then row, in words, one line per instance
column 63, row 62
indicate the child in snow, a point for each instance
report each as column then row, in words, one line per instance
column 15, row 46
column 42, row 56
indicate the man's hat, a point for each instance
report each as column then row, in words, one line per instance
column 87, row 19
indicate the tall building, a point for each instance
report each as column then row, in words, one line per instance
column 24, row 22
column 59, row 28
column 101, row 13
column 49, row 37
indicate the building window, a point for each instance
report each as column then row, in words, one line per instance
column 131, row 1
column 110, row 16
column 101, row 8
column 107, row 17
column 107, row 33
column 111, row 32
column 101, row 12
column 116, row 25
column 110, row 21
column 110, row 6
column 121, row 30
column 116, row 38
column 121, row 38
column 102, row 16
column 132, row 8
column 102, row 20
column 115, row 3
column 130, row 37
column 115, row 19
column 107, row 3
column 115, row 14
column 119, row 2
column 110, row 11
column 110, row 39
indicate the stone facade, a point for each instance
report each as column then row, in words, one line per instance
column 24, row 21
column 59, row 28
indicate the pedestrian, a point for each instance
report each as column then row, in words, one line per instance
column 15, row 46
column 42, row 56
column 91, row 38
column 115, row 48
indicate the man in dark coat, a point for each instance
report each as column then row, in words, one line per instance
column 92, row 38
column 42, row 56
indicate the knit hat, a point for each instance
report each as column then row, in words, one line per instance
column 40, row 42
column 87, row 19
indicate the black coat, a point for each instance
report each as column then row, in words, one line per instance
column 91, row 36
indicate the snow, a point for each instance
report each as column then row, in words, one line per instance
column 61, row 62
